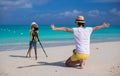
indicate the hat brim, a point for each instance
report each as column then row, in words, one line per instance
column 80, row 21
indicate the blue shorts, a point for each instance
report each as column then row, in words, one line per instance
column 32, row 43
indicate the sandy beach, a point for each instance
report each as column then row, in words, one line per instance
column 104, row 61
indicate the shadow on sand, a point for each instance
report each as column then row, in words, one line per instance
column 60, row 64
column 18, row 56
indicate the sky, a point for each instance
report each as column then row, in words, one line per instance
column 59, row 11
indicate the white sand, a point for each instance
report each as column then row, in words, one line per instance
column 104, row 61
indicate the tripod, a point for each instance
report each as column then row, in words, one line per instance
column 40, row 45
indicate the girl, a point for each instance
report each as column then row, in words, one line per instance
column 33, row 39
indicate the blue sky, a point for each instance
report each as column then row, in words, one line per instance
column 59, row 11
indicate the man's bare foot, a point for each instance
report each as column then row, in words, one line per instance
column 84, row 63
column 81, row 67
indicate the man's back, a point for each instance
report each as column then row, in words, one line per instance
column 82, row 39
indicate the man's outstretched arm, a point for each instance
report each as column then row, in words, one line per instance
column 61, row 28
column 104, row 25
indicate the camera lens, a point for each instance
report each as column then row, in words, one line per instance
column 35, row 29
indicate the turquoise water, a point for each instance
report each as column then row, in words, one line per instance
column 19, row 34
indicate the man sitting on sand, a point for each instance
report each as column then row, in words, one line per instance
column 82, row 41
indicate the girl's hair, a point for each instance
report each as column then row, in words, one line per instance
column 81, row 24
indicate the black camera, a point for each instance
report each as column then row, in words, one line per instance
column 35, row 29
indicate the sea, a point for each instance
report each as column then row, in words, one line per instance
column 15, row 37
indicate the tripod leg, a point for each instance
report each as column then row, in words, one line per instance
column 42, row 48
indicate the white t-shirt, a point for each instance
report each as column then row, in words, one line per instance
column 82, row 39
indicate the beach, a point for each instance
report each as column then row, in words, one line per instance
column 62, row 28
column 104, row 61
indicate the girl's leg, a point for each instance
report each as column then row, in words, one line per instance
column 29, row 51
column 35, row 52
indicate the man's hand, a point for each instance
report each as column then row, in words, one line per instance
column 52, row 26
column 105, row 24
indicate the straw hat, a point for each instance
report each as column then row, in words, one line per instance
column 34, row 25
column 80, row 19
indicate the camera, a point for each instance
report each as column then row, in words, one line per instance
column 35, row 29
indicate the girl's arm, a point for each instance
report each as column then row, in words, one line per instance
column 104, row 25
column 61, row 28
column 31, row 32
